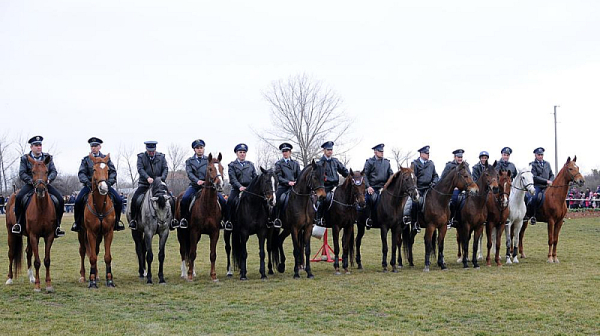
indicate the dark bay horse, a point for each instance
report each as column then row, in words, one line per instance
column 554, row 208
column 298, row 217
column 347, row 200
column 498, row 211
column 40, row 223
column 205, row 218
column 98, row 222
column 155, row 218
column 389, row 213
column 474, row 213
column 436, row 213
column 251, row 217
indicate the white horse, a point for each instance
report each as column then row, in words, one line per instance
column 521, row 184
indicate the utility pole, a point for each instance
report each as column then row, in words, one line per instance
column 555, row 141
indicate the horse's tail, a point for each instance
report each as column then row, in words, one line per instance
column 351, row 244
column 236, row 248
column 408, row 240
column 15, row 247
column 273, row 245
column 434, row 242
column 183, row 236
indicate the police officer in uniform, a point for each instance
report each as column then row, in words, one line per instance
column 195, row 167
column 504, row 164
column 480, row 166
column 458, row 159
column 332, row 167
column 86, row 172
column 427, row 177
column 542, row 178
column 241, row 173
column 26, row 175
column 150, row 165
column 287, row 171
column 377, row 172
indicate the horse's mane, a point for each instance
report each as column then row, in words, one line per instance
column 392, row 179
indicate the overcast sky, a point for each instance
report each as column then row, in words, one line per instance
column 476, row 75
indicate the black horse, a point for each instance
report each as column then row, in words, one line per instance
column 251, row 217
column 298, row 216
column 389, row 214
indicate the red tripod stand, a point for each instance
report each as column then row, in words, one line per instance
column 325, row 250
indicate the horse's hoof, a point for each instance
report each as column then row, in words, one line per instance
column 395, row 270
column 296, row 276
column 229, row 274
column 149, row 282
column 37, row 290
column 337, row 273
column 310, row 276
column 93, row 285
column 50, row 289
column 9, row 281
column 515, row 260
column 385, row 270
column 359, row 266
column 556, row 260
column 271, row 272
column 189, row 279
column 476, row 267
column 183, row 276
column 243, row 279
column 110, row 284
column 550, row 261
column 281, row 268
column 444, row 267
column 348, row 273
column 81, row 279
column 426, row 269
column 163, row 283
column 263, row 277
column 459, row 260
column 466, row 267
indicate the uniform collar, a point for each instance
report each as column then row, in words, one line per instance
column 423, row 161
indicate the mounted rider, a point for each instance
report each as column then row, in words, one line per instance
column 287, row 171
column 542, row 178
column 458, row 159
column 150, row 165
column 26, row 175
column 86, row 172
column 333, row 167
column 427, row 177
column 504, row 164
column 480, row 166
column 195, row 167
column 377, row 172
column 241, row 173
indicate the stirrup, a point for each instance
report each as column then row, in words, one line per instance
column 277, row 223
column 369, row 222
column 183, row 223
column 174, row 224
column 75, row 227
column 133, row 224
column 16, row 229
column 228, row 226
column 118, row 226
column 532, row 220
column 319, row 222
column 58, row 232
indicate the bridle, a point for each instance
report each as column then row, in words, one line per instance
column 353, row 192
column 310, row 186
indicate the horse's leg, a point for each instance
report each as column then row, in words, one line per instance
column 516, row 237
column 108, row 238
column 347, row 241
column 384, row 246
column 476, row 238
column 81, row 237
column 399, row 244
column 29, row 251
column 243, row 256
column 214, row 238
column 284, row 233
column 162, row 242
column 194, row 240
column 442, row 235
column 557, row 228
column 11, row 256
column 148, row 232
column 227, row 239
column 36, row 262
column 359, row 235
column 336, row 248
column 508, row 229
column 48, row 245
column 307, row 268
column 428, row 245
column 261, row 253
column 465, row 237
column 459, row 245
column 394, row 247
column 91, row 247
column 489, row 232
column 551, row 228
column 297, row 252
column 499, row 231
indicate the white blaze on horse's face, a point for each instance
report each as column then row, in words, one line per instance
column 102, row 165
column 219, row 180
column 505, row 195
column 528, row 181
column 103, row 188
column 274, row 186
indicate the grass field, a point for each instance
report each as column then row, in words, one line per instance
column 532, row 297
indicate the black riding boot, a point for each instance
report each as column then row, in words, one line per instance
column 183, row 223
column 319, row 214
column 133, row 221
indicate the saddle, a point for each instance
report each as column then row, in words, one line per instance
column 532, row 202
column 197, row 196
column 329, row 199
column 285, row 197
column 27, row 198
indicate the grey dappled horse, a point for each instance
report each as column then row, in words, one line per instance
column 155, row 217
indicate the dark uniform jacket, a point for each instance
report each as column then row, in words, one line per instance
column 425, row 173
column 332, row 167
column 25, row 170
column 541, row 174
column 450, row 165
column 377, row 172
column 478, row 168
column 287, row 171
column 86, row 171
column 241, row 176
column 153, row 168
column 507, row 165
column 195, row 167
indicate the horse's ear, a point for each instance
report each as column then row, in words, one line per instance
column 351, row 172
column 313, row 164
column 263, row 170
column 362, row 172
column 509, row 173
column 47, row 159
column 568, row 160
column 210, row 158
column 91, row 157
column 575, row 158
column 107, row 156
column 219, row 157
column 495, row 163
column 30, row 159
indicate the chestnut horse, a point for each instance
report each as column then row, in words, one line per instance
column 498, row 211
column 554, row 208
column 98, row 222
column 389, row 213
column 205, row 218
column 347, row 200
column 473, row 214
column 436, row 211
column 298, row 217
column 40, row 223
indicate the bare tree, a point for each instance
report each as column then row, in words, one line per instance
column 128, row 162
column 175, row 159
column 266, row 156
column 6, row 161
column 401, row 157
column 305, row 113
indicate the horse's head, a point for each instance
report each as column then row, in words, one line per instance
column 266, row 184
column 573, row 170
column 490, row 178
column 524, row 181
column 39, row 172
column 463, row 179
column 414, row 193
column 214, row 172
column 505, row 185
column 100, row 174
column 358, row 188
column 316, row 180
column 161, row 201
column 216, row 163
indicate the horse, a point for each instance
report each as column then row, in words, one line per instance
column 554, row 207
column 389, row 214
column 298, row 217
column 474, row 213
column 205, row 218
column 522, row 183
column 347, row 200
column 98, row 222
column 41, row 222
column 498, row 212
column 436, row 211
column 155, row 218
column 251, row 217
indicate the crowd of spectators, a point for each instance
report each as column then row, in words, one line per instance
column 583, row 199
